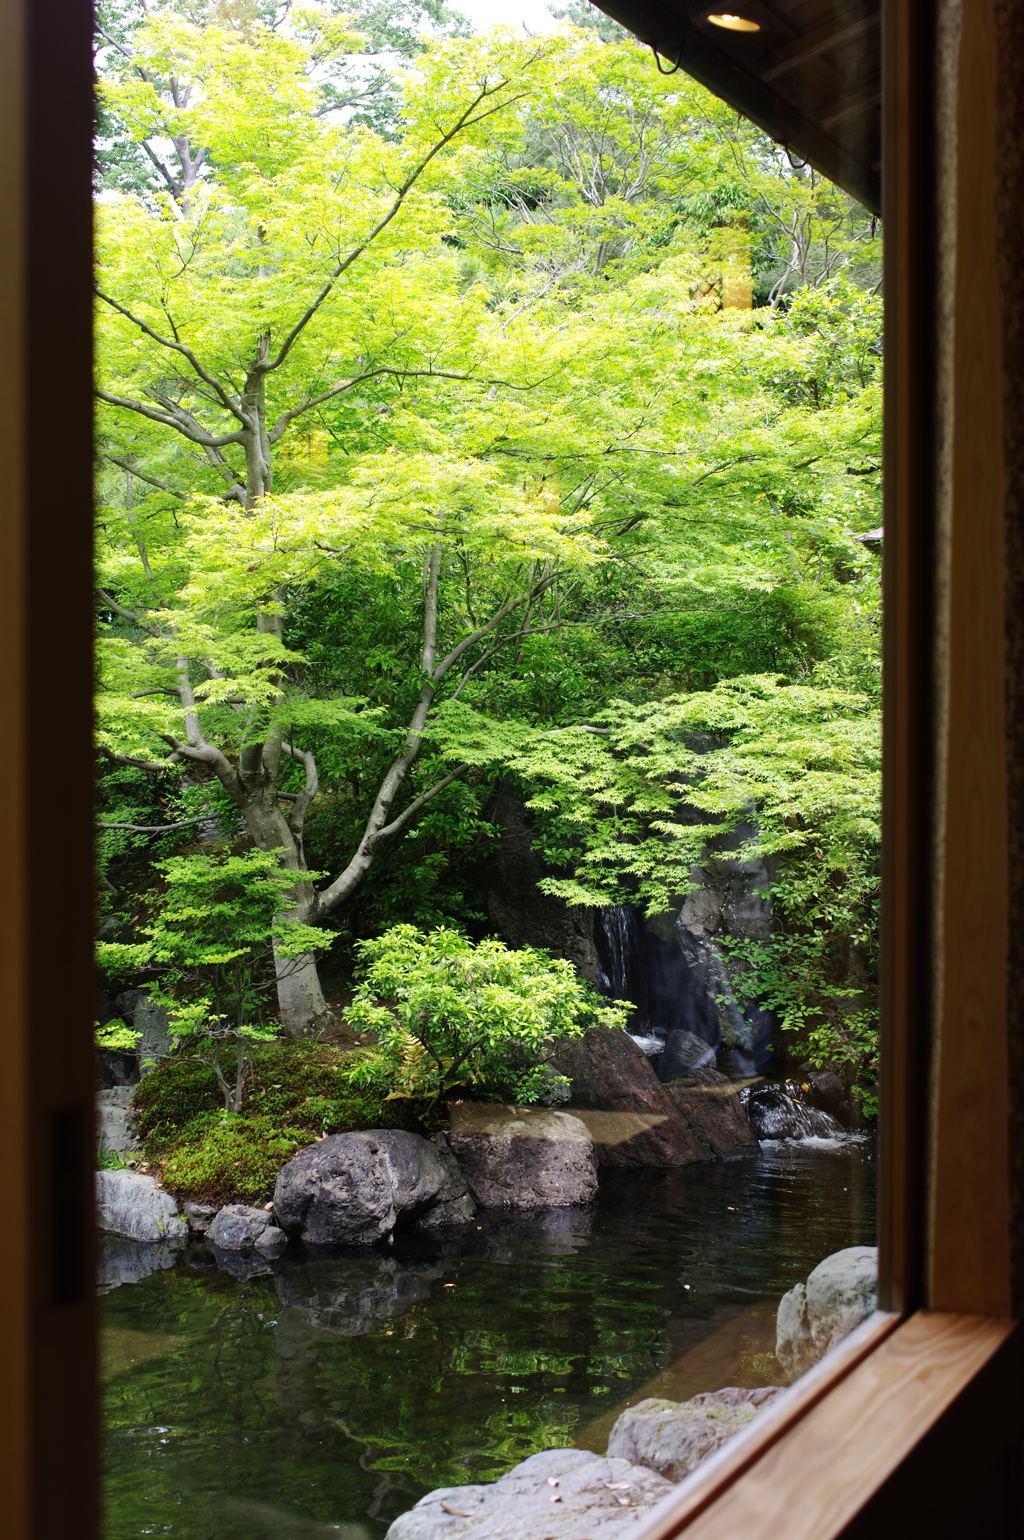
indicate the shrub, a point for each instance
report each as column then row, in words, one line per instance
column 448, row 1013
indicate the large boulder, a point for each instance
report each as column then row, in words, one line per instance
column 631, row 1118
column 713, row 1112
column 354, row 1188
column 117, row 1126
column 132, row 1205
column 839, row 1294
column 523, row 1157
column 570, row 1494
column 151, row 1021
column 240, row 1228
column 673, row 1437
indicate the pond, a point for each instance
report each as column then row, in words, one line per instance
column 323, row 1397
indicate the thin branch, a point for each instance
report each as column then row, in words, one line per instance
column 136, row 620
column 421, row 801
column 178, row 347
column 141, row 476
column 157, row 828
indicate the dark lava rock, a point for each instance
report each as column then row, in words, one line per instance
column 777, row 1112
column 631, row 1118
column 825, row 1091
column 353, row 1188
column 714, row 1112
column 685, row 1051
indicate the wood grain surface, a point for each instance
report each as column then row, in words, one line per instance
column 812, row 1480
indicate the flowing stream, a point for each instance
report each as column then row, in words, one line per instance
column 322, row 1398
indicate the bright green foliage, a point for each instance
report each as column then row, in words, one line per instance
column 117, row 1035
column 358, row 371
column 448, row 1013
column 230, row 1159
column 211, row 945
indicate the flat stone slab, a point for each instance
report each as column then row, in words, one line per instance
column 523, row 1157
column 560, row 1494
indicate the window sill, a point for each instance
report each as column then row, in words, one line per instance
column 875, row 1401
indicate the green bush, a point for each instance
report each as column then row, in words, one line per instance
column 448, row 1014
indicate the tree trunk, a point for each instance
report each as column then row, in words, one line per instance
column 299, row 995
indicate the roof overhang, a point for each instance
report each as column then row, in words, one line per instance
column 810, row 76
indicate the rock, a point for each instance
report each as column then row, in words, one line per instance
column 133, row 1206
column 144, row 1015
column 673, row 1437
column 683, row 1052
column 777, row 1112
column 826, row 1091
column 354, row 1188
column 240, row 1228
column 117, row 1127
column 200, row 1216
column 349, row 1295
column 523, row 1157
column 714, row 1113
column 631, row 1119
column 447, row 1216
column 124, row 1261
column 839, row 1294
column 560, row 1494
column 519, row 911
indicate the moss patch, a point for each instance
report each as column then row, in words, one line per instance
column 295, row 1092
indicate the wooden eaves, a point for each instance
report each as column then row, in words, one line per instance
column 810, row 76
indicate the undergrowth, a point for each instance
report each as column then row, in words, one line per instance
column 295, row 1093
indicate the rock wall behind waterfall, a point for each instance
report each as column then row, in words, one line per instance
column 672, row 967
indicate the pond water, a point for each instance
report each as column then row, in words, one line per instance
column 322, row 1398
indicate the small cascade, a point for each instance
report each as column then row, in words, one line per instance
column 779, row 1112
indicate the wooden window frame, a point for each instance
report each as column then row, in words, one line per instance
column 913, row 1422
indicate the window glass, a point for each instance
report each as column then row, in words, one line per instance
column 489, row 545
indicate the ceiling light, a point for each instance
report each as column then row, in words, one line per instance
column 733, row 23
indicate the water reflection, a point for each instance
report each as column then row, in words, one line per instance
column 335, row 1389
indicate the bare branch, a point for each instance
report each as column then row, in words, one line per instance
column 204, row 374
column 141, row 476
column 157, row 828
column 421, row 801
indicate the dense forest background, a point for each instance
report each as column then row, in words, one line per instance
column 478, row 413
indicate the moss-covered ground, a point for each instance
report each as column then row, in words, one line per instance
column 295, row 1093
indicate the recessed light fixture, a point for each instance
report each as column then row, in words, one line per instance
column 733, row 23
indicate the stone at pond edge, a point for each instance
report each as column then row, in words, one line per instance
column 240, row 1228
column 124, row 1261
column 600, row 1499
column 133, row 1206
column 353, row 1188
column 714, row 1113
column 814, row 1316
column 523, row 1157
column 673, row 1437
column 778, row 1112
column 632, row 1120
column 200, row 1216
